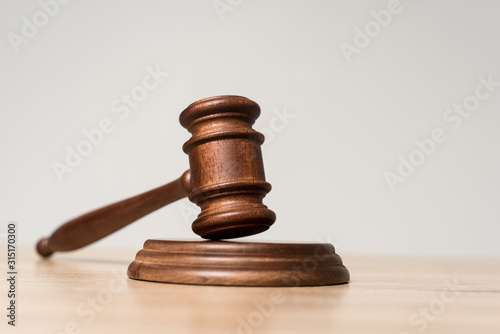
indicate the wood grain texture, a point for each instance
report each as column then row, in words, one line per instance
column 89, row 291
column 226, row 165
column 238, row 263
column 226, row 180
column 97, row 224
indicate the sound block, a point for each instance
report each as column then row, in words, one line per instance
column 238, row 263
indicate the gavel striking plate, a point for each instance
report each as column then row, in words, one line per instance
column 227, row 181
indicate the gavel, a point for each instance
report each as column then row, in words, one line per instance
column 227, row 181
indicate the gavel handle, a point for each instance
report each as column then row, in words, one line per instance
column 97, row 224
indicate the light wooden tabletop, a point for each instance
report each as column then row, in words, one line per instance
column 88, row 291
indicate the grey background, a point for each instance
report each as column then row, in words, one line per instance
column 351, row 120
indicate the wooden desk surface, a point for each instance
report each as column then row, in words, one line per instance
column 88, row 292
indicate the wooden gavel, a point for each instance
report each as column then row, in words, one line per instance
column 226, row 180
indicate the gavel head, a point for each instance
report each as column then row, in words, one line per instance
column 227, row 172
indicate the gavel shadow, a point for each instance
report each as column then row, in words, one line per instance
column 84, row 265
column 89, row 260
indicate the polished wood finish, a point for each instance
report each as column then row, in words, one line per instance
column 100, row 223
column 226, row 166
column 227, row 181
column 238, row 263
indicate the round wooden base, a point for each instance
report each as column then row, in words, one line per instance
column 238, row 263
